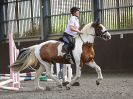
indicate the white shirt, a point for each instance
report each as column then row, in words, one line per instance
column 74, row 21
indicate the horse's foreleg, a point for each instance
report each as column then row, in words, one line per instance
column 98, row 70
column 38, row 73
column 78, row 74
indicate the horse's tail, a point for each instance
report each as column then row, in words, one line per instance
column 25, row 59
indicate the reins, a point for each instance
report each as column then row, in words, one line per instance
column 82, row 39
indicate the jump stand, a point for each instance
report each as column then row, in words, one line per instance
column 14, row 82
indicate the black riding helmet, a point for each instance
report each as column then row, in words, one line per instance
column 74, row 9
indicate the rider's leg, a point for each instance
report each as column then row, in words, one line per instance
column 68, row 46
column 67, row 49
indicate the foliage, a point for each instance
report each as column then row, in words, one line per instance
column 59, row 23
column 35, row 31
column 127, row 21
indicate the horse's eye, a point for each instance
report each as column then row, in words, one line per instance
column 98, row 29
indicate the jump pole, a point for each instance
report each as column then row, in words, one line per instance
column 21, row 74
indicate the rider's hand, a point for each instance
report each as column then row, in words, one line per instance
column 79, row 32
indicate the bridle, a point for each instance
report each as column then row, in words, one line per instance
column 101, row 34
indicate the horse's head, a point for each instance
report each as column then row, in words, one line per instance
column 96, row 29
column 101, row 31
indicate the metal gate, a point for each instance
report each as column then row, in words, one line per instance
column 21, row 17
column 48, row 18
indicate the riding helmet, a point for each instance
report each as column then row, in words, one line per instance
column 74, row 9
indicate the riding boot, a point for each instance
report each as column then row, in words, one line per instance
column 67, row 54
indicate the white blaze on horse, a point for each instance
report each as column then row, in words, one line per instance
column 44, row 54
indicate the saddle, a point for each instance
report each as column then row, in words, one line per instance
column 67, row 47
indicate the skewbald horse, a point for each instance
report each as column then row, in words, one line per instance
column 50, row 51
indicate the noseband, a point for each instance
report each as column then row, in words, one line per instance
column 102, row 33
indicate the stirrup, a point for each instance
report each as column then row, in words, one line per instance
column 67, row 56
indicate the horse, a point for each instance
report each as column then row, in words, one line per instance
column 45, row 53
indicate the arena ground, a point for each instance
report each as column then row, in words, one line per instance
column 114, row 86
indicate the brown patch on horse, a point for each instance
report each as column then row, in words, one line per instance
column 87, row 53
column 49, row 53
column 97, row 27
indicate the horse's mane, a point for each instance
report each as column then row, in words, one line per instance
column 86, row 28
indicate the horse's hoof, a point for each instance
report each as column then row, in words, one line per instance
column 65, row 83
column 60, row 86
column 76, row 84
column 48, row 88
column 67, row 87
column 97, row 83
column 40, row 88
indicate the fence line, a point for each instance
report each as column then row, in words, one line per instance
column 23, row 16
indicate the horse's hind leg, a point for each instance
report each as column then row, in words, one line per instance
column 78, row 74
column 38, row 73
column 49, row 74
column 98, row 70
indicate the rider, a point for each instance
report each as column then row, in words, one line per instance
column 71, row 30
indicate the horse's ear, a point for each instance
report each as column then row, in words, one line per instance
column 96, row 23
column 87, row 42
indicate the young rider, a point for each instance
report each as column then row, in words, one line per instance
column 72, row 29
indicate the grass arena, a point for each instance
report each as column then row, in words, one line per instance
column 113, row 86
